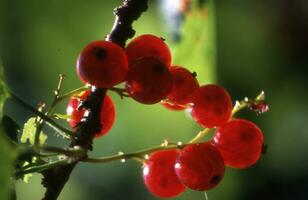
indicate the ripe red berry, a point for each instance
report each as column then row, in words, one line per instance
column 102, row 64
column 212, row 106
column 159, row 174
column 240, row 143
column 171, row 106
column 200, row 166
column 145, row 46
column 148, row 81
column 184, row 86
column 107, row 112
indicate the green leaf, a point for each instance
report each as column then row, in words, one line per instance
column 6, row 167
column 28, row 133
column 197, row 48
column 28, row 136
column 4, row 92
column 11, row 128
column 27, row 177
column 7, row 154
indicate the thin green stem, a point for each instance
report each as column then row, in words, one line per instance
column 141, row 155
column 138, row 155
column 38, row 130
column 200, row 135
column 65, row 132
column 41, row 123
column 41, row 168
column 72, row 152
column 120, row 91
column 239, row 105
column 73, row 92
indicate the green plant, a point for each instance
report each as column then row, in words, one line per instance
column 56, row 163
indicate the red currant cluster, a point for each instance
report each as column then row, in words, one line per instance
column 145, row 67
column 238, row 143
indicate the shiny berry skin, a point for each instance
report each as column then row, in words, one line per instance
column 159, row 174
column 148, row 45
column 174, row 107
column 184, row 86
column 107, row 113
column 240, row 142
column 212, row 106
column 200, row 166
column 148, row 81
column 102, row 64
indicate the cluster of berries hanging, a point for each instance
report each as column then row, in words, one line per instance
column 145, row 68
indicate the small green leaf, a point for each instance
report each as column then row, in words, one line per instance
column 6, row 167
column 11, row 128
column 28, row 133
column 4, row 92
column 27, row 177
column 7, row 154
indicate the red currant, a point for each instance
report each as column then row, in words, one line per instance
column 159, row 174
column 145, row 46
column 212, row 106
column 184, row 86
column 240, row 143
column 107, row 112
column 171, row 106
column 200, row 166
column 102, row 64
column 148, row 81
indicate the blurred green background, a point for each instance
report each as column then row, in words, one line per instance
column 247, row 46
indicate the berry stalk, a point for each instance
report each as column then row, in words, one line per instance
column 141, row 154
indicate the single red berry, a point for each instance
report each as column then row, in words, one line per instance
column 102, row 64
column 107, row 115
column 148, row 81
column 171, row 106
column 147, row 45
column 240, row 142
column 184, row 86
column 200, row 166
column 159, row 174
column 212, row 106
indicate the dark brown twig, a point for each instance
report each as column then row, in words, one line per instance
column 55, row 179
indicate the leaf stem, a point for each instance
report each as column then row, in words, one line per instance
column 200, row 135
column 72, row 152
column 41, row 123
column 239, row 105
column 120, row 91
column 41, row 168
column 134, row 155
column 73, row 92
column 65, row 132
column 141, row 155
